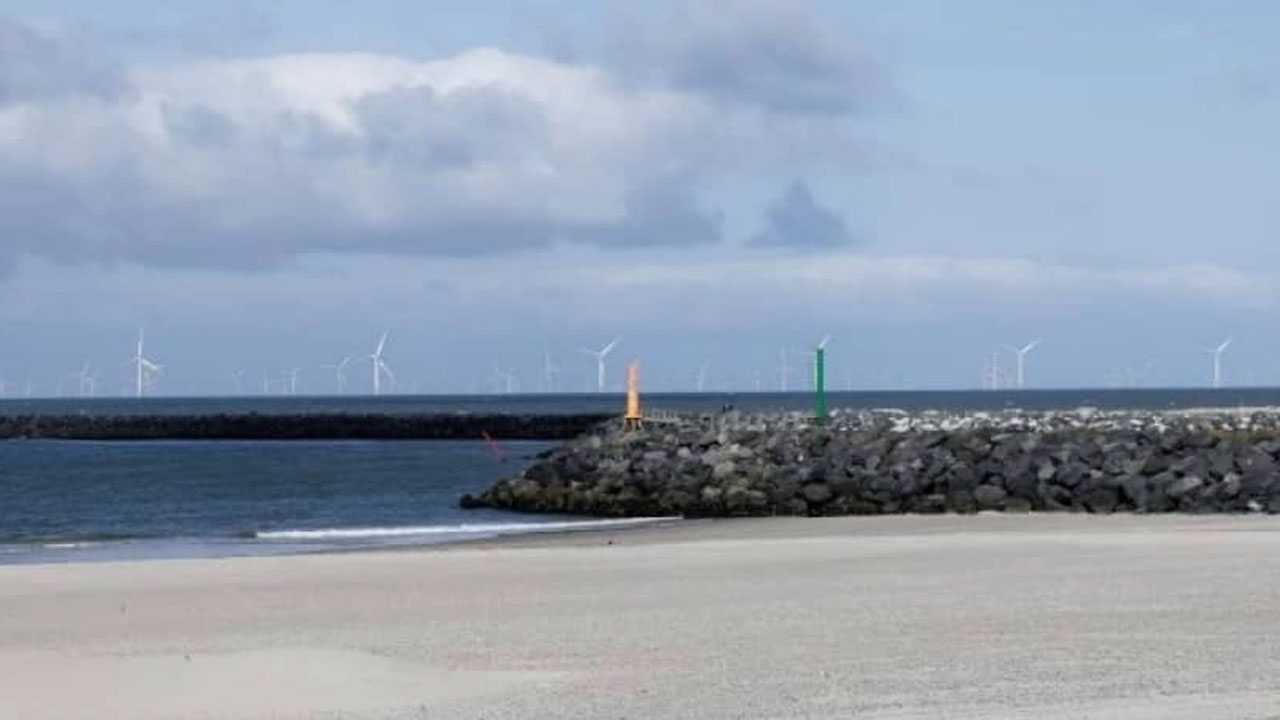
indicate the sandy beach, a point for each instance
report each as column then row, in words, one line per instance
column 892, row 617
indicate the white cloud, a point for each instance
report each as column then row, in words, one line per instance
column 251, row 162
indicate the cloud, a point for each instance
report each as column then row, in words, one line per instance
column 797, row 221
column 770, row 54
column 36, row 65
column 662, row 213
column 420, row 127
column 252, row 163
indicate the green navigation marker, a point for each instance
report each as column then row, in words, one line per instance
column 820, row 381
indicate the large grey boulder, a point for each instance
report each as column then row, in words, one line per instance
column 989, row 497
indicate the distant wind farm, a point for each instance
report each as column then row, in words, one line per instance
column 1007, row 367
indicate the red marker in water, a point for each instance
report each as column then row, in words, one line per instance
column 494, row 448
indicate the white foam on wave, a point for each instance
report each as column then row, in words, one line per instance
column 460, row 530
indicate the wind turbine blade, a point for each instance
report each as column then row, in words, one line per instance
column 1223, row 347
column 381, row 344
column 825, row 339
column 1030, row 346
column 609, row 348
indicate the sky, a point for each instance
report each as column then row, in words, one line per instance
column 269, row 186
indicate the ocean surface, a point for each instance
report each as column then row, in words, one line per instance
column 1143, row 398
column 63, row 501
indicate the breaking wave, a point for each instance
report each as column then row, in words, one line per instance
column 458, row 530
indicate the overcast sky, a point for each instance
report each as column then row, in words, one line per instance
column 265, row 186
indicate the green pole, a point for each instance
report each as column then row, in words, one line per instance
column 820, row 384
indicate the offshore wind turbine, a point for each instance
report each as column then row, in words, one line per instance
column 702, row 376
column 88, row 381
column 1217, row 361
column 549, row 372
column 237, row 377
column 340, row 374
column 145, row 369
column 992, row 373
column 291, row 377
column 784, row 369
column 1021, row 354
column 601, row 355
column 380, row 367
column 506, row 379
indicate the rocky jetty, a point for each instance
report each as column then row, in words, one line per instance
column 311, row 426
column 880, row 462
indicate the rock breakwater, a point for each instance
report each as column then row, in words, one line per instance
column 310, row 426
column 883, row 462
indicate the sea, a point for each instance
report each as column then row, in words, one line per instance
column 74, row 501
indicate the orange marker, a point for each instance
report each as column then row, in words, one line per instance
column 633, row 417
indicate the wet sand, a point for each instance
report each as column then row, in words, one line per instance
column 889, row 617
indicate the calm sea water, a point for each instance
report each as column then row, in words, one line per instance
column 1145, row 398
column 73, row 501
column 90, row 500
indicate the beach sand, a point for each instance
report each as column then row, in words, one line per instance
column 893, row 617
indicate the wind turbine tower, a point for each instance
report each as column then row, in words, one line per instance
column 702, row 376
column 784, row 369
column 992, row 373
column 1217, row 361
column 291, row 380
column 1021, row 354
column 88, row 381
column 601, row 355
column 549, row 372
column 146, row 370
column 340, row 374
column 380, row 367
column 506, row 379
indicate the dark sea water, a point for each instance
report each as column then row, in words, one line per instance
column 75, row 501
column 1145, row 398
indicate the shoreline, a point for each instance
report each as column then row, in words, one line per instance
column 308, row 542
column 635, row 532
